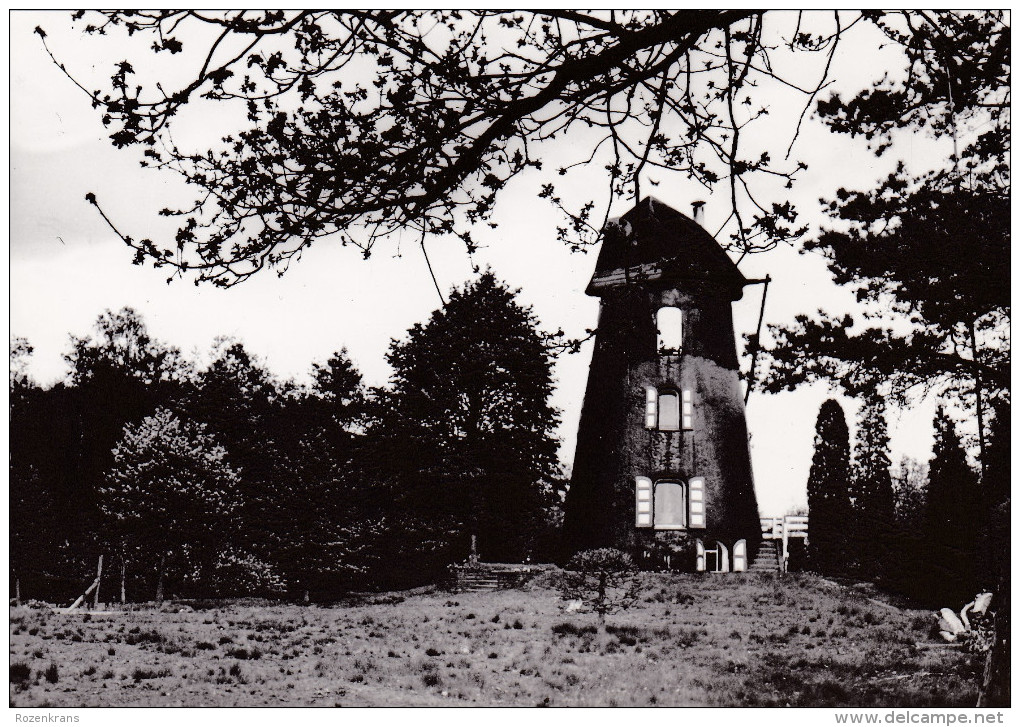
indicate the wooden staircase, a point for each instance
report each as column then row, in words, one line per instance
column 476, row 579
column 767, row 559
column 492, row 576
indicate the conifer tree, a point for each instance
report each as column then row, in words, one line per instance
column 951, row 569
column 872, row 491
column 828, row 498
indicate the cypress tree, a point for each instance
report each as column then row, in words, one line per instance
column 951, row 520
column 828, row 500
column 872, row 491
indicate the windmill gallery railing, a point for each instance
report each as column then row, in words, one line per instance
column 784, row 528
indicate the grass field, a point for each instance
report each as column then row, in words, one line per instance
column 691, row 640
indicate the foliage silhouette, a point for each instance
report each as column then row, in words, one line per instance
column 827, row 491
column 465, row 431
column 357, row 124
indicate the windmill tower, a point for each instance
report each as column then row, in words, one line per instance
column 662, row 468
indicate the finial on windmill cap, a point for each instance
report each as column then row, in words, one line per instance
column 699, row 212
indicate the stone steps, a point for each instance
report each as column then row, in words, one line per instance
column 483, row 578
column 767, row 559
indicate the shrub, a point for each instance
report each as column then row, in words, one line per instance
column 240, row 574
column 20, row 672
column 569, row 629
column 603, row 579
column 429, row 674
column 242, row 653
column 139, row 674
column 137, row 636
column 51, row 674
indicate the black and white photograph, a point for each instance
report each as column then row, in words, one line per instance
column 510, row 358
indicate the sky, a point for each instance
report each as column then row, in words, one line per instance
column 66, row 267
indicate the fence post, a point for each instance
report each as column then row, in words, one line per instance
column 99, row 576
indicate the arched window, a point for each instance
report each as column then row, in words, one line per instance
column 670, row 506
column 665, row 411
column 715, row 558
column 740, row 556
column 670, row 322
column 669, row 411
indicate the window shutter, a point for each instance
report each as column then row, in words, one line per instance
column 687, row 411
column 700, row 560
column 724, row 558
column 740, row 556
column 651, row 407
column 643, row 502
column 696, row 488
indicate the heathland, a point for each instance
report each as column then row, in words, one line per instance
column 733, row 640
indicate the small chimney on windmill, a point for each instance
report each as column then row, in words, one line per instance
column 699, row 213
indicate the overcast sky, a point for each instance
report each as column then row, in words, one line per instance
column 67, row 268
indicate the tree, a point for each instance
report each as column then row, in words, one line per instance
column 121, row 346
column 21, row 351
column 928, row 252
column 169, row 494
column 465, row 430
column 361, row 123
column 326, row 529
column 910, row 484
column 602, row 578
column 827, row 491
column 952, row 520
column 872, row 492
column 118, row 374
column 339, row 389
column 995, row 485
column 33, row 532
column 995, row 492
column 938, row 260
column 241, row 403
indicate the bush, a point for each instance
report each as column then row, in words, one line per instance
column 20, row 672
column 238, row 574
column 242, row 653
column 139, row 674
column 568, row 629
column 602, row 578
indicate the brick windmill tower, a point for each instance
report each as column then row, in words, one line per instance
column 662, row 468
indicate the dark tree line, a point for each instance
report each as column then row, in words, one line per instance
column 226, row 481
column 933, row 534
